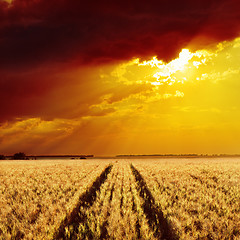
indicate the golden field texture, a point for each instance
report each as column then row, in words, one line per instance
column 116, row 213
column 120, row 199
column 36, row 195
column 199, row 197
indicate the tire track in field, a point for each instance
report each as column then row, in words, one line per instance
column 134, row 209
column 121, row 200
column 156, row 221
column 107, row 196
column 88, row 213
column 86, row 200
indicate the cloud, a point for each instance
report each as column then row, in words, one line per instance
column 34, row 135
column 56, row 91
column 43, row 43
column 68, row 60
column 8, row 1
column 32, row 32
column 49, row 93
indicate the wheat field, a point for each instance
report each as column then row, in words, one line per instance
column 120, row 199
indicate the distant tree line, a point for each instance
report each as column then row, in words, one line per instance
column 16, row 156
column 19, row 156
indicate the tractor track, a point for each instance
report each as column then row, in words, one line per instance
column 156, row 220
column 86, row 200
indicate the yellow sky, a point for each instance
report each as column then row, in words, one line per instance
column 144, row 106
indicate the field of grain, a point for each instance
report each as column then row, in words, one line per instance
column 36, row 195
column 116, row 212
column 120, row 199
column 199, row 197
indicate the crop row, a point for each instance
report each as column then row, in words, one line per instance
column 200, row 199
column 145, row 199
column 36, row 196
column 117, row 211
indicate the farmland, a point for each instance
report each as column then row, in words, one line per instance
column 201, row 198
column 120, row 199
column 36, row 195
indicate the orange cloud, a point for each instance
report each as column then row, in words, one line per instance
column 117, row 108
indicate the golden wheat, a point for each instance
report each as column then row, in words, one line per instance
column 36, row 195
column 120, row 199
column 116, row 213
column 200, row 197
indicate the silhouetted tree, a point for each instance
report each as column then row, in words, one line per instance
column 19, row 156
column 2, row 157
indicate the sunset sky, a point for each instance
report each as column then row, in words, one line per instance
column 119, row 77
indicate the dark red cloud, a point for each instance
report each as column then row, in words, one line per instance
column 36, row 35
column 94, row 31
column 48, row 94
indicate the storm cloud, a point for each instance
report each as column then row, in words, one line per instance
column 42, row 41
column 32, row 32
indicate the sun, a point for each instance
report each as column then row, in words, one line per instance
column 178, row 64
column 168, row 73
